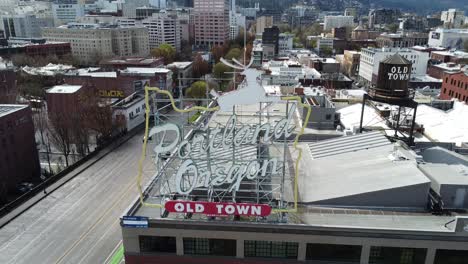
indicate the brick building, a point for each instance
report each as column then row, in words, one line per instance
column 47, row 49
column 437, row 70
column 19, row 160
column 122, row 83
column 8, row 90
column 455, row 85
column 63, row 98
column 458, row 57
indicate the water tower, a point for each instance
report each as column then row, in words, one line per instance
column 392, row 88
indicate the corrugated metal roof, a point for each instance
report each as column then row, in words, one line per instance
column 347, row 144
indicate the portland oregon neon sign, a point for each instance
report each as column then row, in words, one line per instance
column 233, row 167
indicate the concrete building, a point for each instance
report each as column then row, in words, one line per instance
column 285, row 42
column 91, row 42
column 26, row 26
column 323, row 115
column 129, row 7
column 455, row 85
column 453, row 18
column 125, row 62
column 66, row 13
column 164, row 28
column 19, row 162
column 371, row 57
column 184, row 70
column 380, row 17
column 211, row 19
column 351, row 11
column 262, row 23
column 337, row 22
column 236, row 22
column 350, row 63
column 270, row 36
column 448, row 38
column 401, row 40
column 130, row 111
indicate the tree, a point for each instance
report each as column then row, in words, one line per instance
column 393, row 28
column 185, row 53
column 41, row 125
column 220, row 69
column 465, row 45
column 166, row 51
column 326, row 51
column 61, row 135
column 200, row 67
column 197, row 90
column 234, row 53
column 218, row 52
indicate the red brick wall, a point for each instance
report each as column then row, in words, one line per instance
column 8, row 89
column 455, row 86
column 19, row 160
column 435, row 72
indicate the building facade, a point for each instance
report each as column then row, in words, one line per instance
column 26, row 26
column 211, row 19
column 164, row 28
column 379, row 17
column 8, row 89
column 453, row 18
column 19, row 160
column 402, row 40
column 455, row 86
column 371, row 57
column 448, row 38
column 91, row 43
column 66, row 13
column 262, row 23
column 270, row 36
column 338, row 22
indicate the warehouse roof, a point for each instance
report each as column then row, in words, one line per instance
column 65, row 89
column 356, row 165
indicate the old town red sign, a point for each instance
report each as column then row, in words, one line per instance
column 212, row 208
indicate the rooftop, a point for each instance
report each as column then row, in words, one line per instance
column 64, row 89
column 180, row 64
column 6, row 109
column 150, row 71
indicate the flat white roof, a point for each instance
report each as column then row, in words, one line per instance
column 146, row 70
column 65, row 88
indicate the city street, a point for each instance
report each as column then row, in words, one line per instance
column 79, row 222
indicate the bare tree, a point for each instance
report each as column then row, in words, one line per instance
column 61, row 135
column 41, row 125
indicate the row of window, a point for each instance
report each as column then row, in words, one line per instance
column 289, row 250
column 457, row 83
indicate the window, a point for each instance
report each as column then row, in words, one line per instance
column 208, row 246
column 445, row 256
column 157, row 244
column 270, row 249
column 331, row 252
column 328, row 116
column 396, row 255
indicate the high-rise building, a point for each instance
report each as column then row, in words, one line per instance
column 65, row 13
column 91, row 41
column 129, row 7
column 163, row 28
column 351, row 11
column 453, row 18
column 337, row 22
column 383, row 16
column 26, row 25
column 211, row 19
column 270, row 36
column 262, row 23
